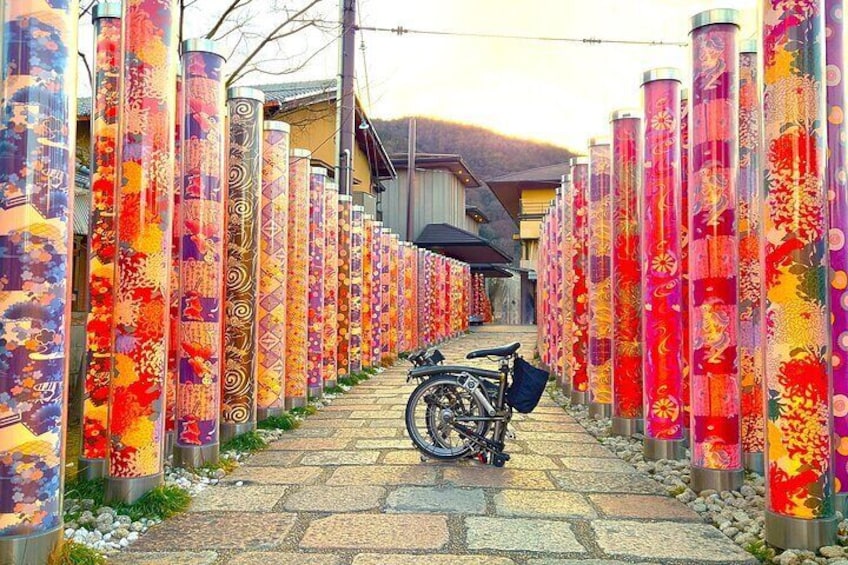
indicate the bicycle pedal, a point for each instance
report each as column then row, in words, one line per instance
column 510, row 434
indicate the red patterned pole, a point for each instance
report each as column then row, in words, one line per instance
column 356, row 286
column 201, row 228
column 377, row 293
column 386, row 292
column 579, row 214
column 626, row 273
column 331, row 283
column 315, row 324
column 394, row 296
column 174, row 282
column 343, row 288
column 297, row 292
column 145, row 206
column 662, row 324
column 685, row 310
column 367, row 267
column 106, row 18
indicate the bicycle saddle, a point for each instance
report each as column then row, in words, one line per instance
column 502, row 351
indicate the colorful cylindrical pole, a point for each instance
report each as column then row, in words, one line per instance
column 174, row 286
column 331, row 283
column 626, row 273
column 713, row 253
column 273, row 270
column 685, row 310
column 566, row 298
column 837, row 192
column 555, row 250
column 799, row 454
column 422, row 297
column 145, row 205
column 600, row 281
column 106, row 18
column 297, row 292
column 315, row 324
column 662, row 324
column 394, row 297
column 202, row 214
column 580, row 297
column 356, row 282
column 343, row 288
column 367, row 266
column 241, row 282
column 38, row 48
column 750, row 226
column 415, row 341
column 377, row 297
column 386, row 288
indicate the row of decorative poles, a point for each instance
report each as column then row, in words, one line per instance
column 228, row 279
column 692, row 272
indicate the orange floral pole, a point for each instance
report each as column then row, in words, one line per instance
column 367, row 267
column 315, row 320
column 357, row 234
column 297, row 294
column 331, row 283
column 343, row 289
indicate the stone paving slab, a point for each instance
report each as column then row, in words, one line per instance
column 366, row 433
column 523, row 428
column 437, row 499
column 324, row 458
column 272, row 459
column 543, row 504
column 588, row 449
column 644, row 507
column 493, row 477
column 431, row 559
column 168, row 558
column 377, row 531
column 273, row 558
column 275, row 475
column 597, row 465
column 383, row 475
column 530, row 461
column 217, row 530
column 521, row 534
column 334, row 499
column 606, row 482
column 259, row 498
column 312, row 444
column 667, row 541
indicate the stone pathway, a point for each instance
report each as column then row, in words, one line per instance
column 349, row 488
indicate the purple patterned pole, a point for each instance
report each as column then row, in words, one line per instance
column 315, row 324
column 356, row 243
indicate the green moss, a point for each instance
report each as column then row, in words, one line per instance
column 677, row 490
column 285, row 421
column 334, row 390
column 248, row 442
column 370, row 370
column 304, row 411
column 761, row 551
column 225, row 464
column 162, row 502
column 73, row 553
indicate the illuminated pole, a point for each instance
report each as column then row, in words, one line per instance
column 297, row 292
column 38, row 47
column 377, row 297
column 566, row 270
column 145, row 205
column 106, row 18
column 713, row 253
column 422, row 297
column 331, row 283
column 415, row 342
column 343, row 360
column 174, row 282
column 367, row 266
column 356, row 301
column 662, row 324
column 580, row 297
column 626, row 273
column 386, row 289
column 837, row 191
column 202, row 214
column 315, row 323
column 600, row 282
column 244, row 188
column 394, row 297
column 799, row 474
column 685, row 310
column 750, row 221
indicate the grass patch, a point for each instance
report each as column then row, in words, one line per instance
column 248, row 442
column 370, row 370
column 304, row 411
column 162, row 502
column 285, row 421
column 761, row 551
column 81, row 489
column 225, row 464
column 334, row 389
column 73, row 553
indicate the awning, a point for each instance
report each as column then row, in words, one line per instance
column 461, row 245
column 490, row 271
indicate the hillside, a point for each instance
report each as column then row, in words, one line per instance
column 489, row 154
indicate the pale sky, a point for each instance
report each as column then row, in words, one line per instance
column 550, row 91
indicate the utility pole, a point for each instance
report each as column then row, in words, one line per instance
column 410, row 176
column 345, row 98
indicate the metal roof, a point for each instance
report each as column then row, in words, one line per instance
column 460, row 244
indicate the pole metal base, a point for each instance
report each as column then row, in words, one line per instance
column 130, row 490
column 839, row 501
column 330, row 383
column 600, row 411
column 170, row 440
column 229, row 431
column 627, row 427
column 796, row 533
column 655, row 449
column 565, row 386
column 295, row 402
column 265, row 413
column 27, row 550
column 579, row 398
column 193, row 456
column 316, row 391
column 754, row 462
column 91, row 469
column 716, row 479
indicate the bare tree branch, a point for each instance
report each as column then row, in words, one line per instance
column 235, row 5
column 87, row 8
column 87, row 67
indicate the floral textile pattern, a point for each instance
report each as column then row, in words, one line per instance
column 101, row 236
column 241, row 280
column 331, row 281
column 386, row 292
column 580, row 305
column 394, row 296
column 662, row 324
column 556, row 286
column 273, row 269
column 797, row 361
column 343, row 288
column 684, row 255
column 143, row 237
column 36, row 202
column 356, row 237
column 201, row 228
column 566, row 269
column 713, row 249
column 626, row 272
column 367, row 266
column 297, row 291
column 377, row 260
column 750, row 226
column 174, row 286
column 599, row 275
column 406, row 290
column 315, row 320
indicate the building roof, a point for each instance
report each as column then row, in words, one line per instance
column 447, row 161
column 460, row 244
column 476, row 214
column 490, row 271
column 507, row 188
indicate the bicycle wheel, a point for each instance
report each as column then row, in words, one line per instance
column 434, row 410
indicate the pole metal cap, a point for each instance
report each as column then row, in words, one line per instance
column 106, row 10
column 716, row 16
column 276, row 125
column 245, row 92
column 599, row 140
column 575, row 161
column 300, row 153
column 345, row 198
column 748, row 46
column 625, row 114
column 661, row 73
column 318, row 171
column 201, row 44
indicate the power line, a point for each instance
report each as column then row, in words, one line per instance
column 400, row 30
